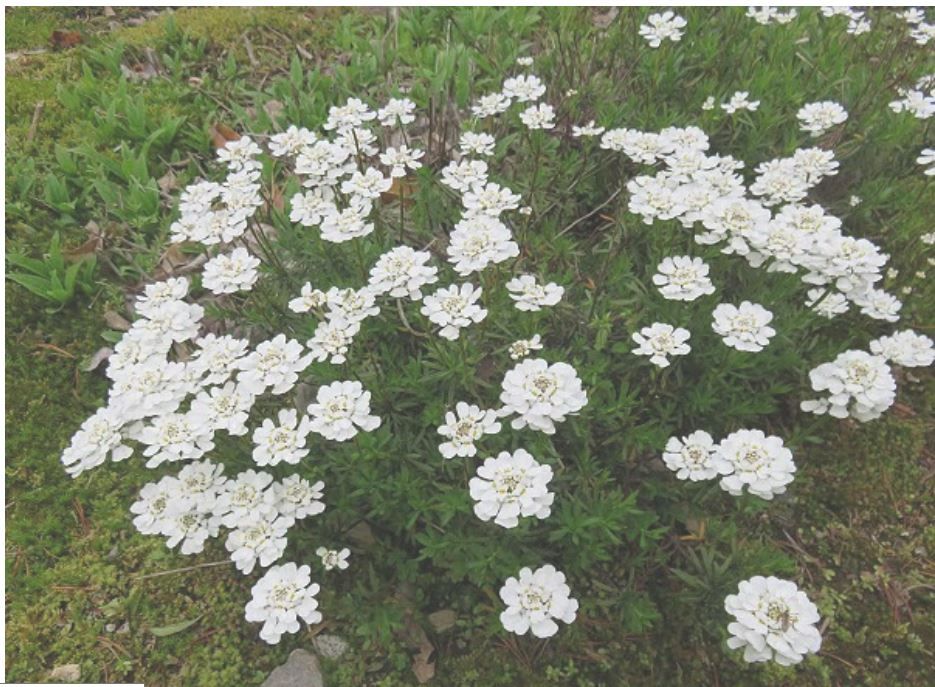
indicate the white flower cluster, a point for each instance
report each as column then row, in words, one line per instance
column 919, row 101
column 773, row 620
column 746, row 459
column 766, row 15
column 662, row 26
column 856, row 384
column 857, row 21
column 536, row 600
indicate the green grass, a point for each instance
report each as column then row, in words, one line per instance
column 853, row 532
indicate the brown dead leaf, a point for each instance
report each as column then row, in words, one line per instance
column 273, row 108
column 142, row 71
column 443, row 620
column 168, row 182
column 109, row 11
column 62, row 40
column 221, row 134
column 100, row 355
column 89, row 247
column 361, row 534
column 55, row 349
column 696, row 529
column 604, row 19
column 400, row 188
column 116, row 321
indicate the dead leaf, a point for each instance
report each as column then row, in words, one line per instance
column 696, row 528
column 399, row 188
column 168, row 182
column 115, row 321
column 273, row 108
column 143, row 71
column 55, row 349
column 362, row 534
column 89, row 247
column 70, row 672
column 443, row 620
column 195, row 81
column 604, row 19
column 109, row 12
column 62, row 40
column 100, row 355
column 424, row 668
column 221, row 134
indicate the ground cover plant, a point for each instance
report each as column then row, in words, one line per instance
column 439, row 320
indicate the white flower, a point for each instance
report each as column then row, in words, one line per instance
column 465, row 426
column 927, row 160
column 588, row 130
column 826, row 303
column 524, row 61
column 523, row 347
column 402, row 272
column 531, row 296
column 743, row 327
column 683, row 278
column 541, row 116
column 512, row 486
column 858, row 384
column 817, row 118
column 216, row 357
column 239, row 154
column 157, row 293
column 310, row 298
column 740, row 101
column 928, row 239
column 191, row 528
column 905, row 348
column 259, row 539
column 854, row 201
column 490, row 199
column 524, row 88
column 478, row 241
column 660, row 341
column 282, row 444
column 462, row 175
column 535, row 601
column 351, row 305
column 878, row 304
column 542, row 394
column 297, row 498
column 708, row 103
column 399, row 159
column 332, row 338
column 282, row 596
column 332, row 558
column 695, row 457
column 659, row 27
column 309, row 208
column 453, row 308
column 98, row 437
column 275, row 363
column 174, row 437
column 231, row 273
column 490, row 104
column 223, row 407
column 159, row 504
column 922, row 33
column 477, row 143
column 773, row 621
column 349, row 116
column 244, row 497
column 199, row 484
column 291, row 141
column 397, row 110
column 340, row 408
column 370, row 184
column 173, row 320
column 758, row 462
column 344, row 225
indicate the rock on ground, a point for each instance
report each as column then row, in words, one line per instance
column 300, row 670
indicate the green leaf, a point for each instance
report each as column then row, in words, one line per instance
column 174, row 628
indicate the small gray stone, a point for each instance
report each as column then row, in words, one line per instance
column 300, row 670
column 329, row 646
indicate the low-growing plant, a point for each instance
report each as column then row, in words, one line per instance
column 490, row 334
column 54, row 277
